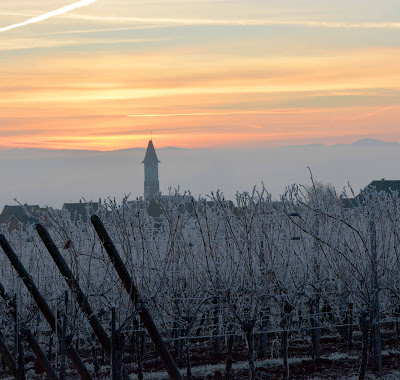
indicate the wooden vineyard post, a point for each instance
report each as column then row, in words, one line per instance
column 31, row 340
column 76, row 289
column 115, row 349
column 229, row 356
column 7, row 356
column 5, row 296
column 315, row 317
column 365, row 324
column 64, row 337
column 42, row 305
column 33, row 343
column 350, row 325
column 264, row 308
column 217, row 310
column 17, row 342
column 375, row 283
column 130, row 287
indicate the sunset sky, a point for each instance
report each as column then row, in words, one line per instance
column 199, row 73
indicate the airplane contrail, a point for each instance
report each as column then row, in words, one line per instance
column 45, row 16
column 243, row 22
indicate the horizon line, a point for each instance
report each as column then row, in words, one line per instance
column 366, row 139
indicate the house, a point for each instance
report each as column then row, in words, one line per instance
column 81, row 209
column 16, row 216
column 388, row 186
column 385, row 185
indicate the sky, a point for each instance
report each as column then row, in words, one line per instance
column 109, row 75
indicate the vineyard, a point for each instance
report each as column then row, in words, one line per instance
column 300, row 288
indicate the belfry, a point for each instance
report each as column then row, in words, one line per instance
column 151, row 183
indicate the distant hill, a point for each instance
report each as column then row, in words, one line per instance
column 171, row 148
column 369, row 143
column 359, row 143
column 135, row 149
column 374, row 142
column 315, row 145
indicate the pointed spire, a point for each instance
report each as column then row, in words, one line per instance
column 151, row 156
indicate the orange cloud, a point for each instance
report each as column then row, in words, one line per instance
column 197, row 99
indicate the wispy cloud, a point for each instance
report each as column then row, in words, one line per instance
column 373, row 113
column 185, row 114
column 247, row 112
column 22, row 44
column 101, row 30
column 48, row 15
column 15, row 14
column 242, row 22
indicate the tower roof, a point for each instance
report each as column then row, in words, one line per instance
column 151, row 156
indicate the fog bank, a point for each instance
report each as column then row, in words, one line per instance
column 51, row 178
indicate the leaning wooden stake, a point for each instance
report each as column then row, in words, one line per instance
column 115, row 362
column 4, row 352
column 31, row 339
column 7, row 356
column 42, row 305
column 130, row 287
column 81, row 298
column 19, row 352
column 33, row 343
column 5, row 296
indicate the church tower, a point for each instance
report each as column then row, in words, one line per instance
column 151, row 184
